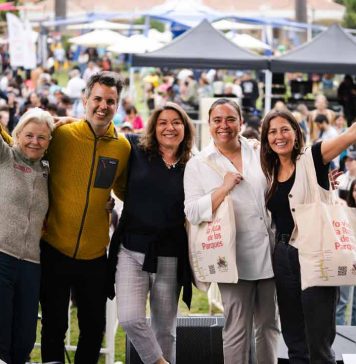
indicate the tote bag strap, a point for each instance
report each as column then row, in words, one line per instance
column 310, row 169
column 214, row 167
column 313, row 180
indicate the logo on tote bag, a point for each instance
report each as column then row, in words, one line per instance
column 222, row 264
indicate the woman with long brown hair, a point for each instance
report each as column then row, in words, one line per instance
column 308, row 316
column 153, row 256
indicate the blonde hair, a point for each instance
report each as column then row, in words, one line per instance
column 35, row 115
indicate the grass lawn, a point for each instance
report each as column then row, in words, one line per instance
column 199, row 306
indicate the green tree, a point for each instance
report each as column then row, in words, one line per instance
column 349, row 20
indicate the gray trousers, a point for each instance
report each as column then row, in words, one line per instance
column 249, row 304
column 132, row 287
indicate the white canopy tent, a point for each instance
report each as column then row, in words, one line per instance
column 98, row 38
column 104, row 24
column 137, row 43
column 164, row 37
column 233, row 25
column 247, row 41
column 186, row 12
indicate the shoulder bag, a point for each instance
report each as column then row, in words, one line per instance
column 326, row 238
column 212, row 245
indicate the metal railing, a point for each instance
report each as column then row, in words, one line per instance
column 111, row 326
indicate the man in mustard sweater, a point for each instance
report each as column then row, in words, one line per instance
column 88, row 159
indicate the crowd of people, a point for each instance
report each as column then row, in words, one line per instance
column 56, row 185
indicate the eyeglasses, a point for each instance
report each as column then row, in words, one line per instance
column 38, row 138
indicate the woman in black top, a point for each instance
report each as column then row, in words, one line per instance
column 308, row 316
column 153, row 257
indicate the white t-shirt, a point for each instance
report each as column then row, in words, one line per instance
column 74, row 87
column 4, row 83
column 330, row 133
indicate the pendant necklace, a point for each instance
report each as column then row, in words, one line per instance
column 170, row 165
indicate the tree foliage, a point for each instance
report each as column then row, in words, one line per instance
column 349, row 20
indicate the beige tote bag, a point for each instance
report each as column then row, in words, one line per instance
column 326, row 239
column 212, row 245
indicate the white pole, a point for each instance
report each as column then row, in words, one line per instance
column 132, row 82
column 111, row 326
column 268, row 90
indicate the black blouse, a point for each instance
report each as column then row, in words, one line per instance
column 279, row 201
column 154, row 204
column 153, row 220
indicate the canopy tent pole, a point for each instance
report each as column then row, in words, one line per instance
column 132, row 82
column 268, row 90
column 147, row 25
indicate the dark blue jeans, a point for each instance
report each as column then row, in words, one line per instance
column 307, row 317
column 88, row 278
column 19, row 296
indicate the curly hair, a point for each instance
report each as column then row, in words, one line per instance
column 149, row 143
column 269, row 159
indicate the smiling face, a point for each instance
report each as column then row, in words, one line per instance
column 281, row 136
column 169, row 129
column 224, row 124
column 100, row 107
column 33, row 140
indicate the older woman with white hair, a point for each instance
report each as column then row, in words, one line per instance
column 23, row 206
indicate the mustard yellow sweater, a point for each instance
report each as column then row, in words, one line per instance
column 5, row 136
column 83, row 170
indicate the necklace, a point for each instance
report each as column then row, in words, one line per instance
column 170, row 165
column 284, row 174
column 228, row 158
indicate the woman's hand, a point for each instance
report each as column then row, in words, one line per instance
column 231, row 179
column 110, row 204
column 62, row 120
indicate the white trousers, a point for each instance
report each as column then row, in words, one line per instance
column 249, row 304
column 132, row 287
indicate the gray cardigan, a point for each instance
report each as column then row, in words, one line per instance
column 23, row 203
